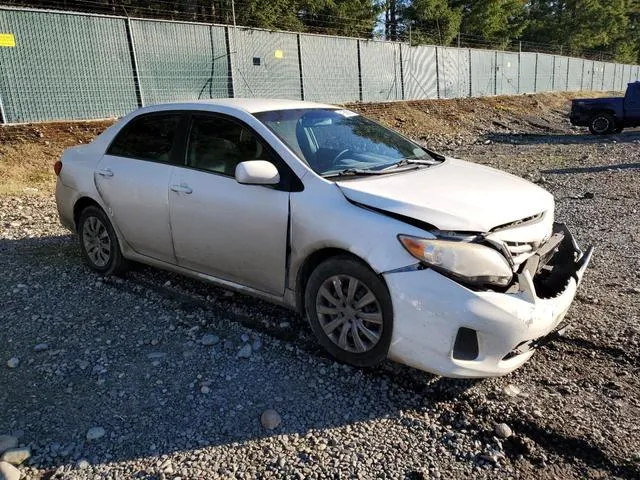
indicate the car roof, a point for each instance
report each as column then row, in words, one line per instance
column 249, row 105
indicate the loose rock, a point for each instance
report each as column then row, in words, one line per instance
column 95, row 433
column 8, row 472
column 245, row 351
column 13, row 362
column 209, row 340
column 511, row 390
column 502, row 430
column 16, row 456
column 41, row 347
column 270, row 419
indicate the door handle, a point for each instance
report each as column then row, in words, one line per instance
column 105, row 172
column 181, row 189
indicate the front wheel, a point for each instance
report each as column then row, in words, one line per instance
column 601, row 123
column 99, row 243
column 350, row 311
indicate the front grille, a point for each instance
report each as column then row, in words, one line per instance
column 520, row 251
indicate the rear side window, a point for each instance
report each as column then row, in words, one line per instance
column 149, row 137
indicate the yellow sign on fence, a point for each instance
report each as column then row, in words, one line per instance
column 279, row 54
column 7, row 40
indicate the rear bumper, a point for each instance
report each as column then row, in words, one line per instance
column 65, row 200
column 430, row 310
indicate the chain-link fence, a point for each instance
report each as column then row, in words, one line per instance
column 68, row 66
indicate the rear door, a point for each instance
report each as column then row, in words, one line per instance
column 133, row 178
column 223, row 228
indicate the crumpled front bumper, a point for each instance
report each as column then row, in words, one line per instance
column 500, row 330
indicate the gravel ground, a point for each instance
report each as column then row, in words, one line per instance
column 157, row 376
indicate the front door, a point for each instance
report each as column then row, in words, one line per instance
column 220, row 227
column 132, row 179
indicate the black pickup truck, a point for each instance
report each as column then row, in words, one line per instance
column 608, row 115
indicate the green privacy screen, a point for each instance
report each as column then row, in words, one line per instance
column 75, row 66
column 265, row 64
column 64, row 67
column 180, row 61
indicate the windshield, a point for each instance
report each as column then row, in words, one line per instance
column 332, row 141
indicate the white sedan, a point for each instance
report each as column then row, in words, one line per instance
column 391, row 250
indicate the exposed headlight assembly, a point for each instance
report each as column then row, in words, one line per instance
column 469, row 262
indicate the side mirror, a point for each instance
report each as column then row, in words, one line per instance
column 257, row 172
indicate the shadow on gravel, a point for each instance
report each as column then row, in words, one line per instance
column 595, row 169
column 574, row 449
column 125, row 354
column 566, row 139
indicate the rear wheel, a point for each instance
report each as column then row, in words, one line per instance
column 350, row 311
column 601, row 123
column 99, row 243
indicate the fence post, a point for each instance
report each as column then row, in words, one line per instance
column 3, row 115
column 593, row 66
column 300, row 67
column 437, row 74
column 566, row 83
column 615, row 69
column 535, row 76
column 227, row 44
column 470, row 76
column 134, row 63
column 553, row 75
column 495, row 73
column 359, row 71
column 402, row 68
column 519, row 68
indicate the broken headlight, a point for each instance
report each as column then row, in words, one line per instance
column 468, row 262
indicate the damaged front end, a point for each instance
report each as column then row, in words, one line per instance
column 546, row 275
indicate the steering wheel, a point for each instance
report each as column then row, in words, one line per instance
column 340, row 155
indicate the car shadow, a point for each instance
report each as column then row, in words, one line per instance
column 124, row 354
column 629, row 136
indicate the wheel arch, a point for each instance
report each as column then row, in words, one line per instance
column 312, row 261
column 599, row 111
column 80, row 205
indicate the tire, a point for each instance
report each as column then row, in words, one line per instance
column 99, row 243
column 366, row 341
column 601, row 124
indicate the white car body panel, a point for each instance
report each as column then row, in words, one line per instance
column 243, row 246
column 227, row 239
column 482, row 199
column 135, row 192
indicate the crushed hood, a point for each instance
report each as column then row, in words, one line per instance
column 454, row 195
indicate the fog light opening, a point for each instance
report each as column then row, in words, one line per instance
column 466, row 345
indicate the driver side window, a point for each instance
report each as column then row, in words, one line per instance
column 218, row 145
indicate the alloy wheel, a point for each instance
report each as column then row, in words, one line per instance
column 349, row 313
column 96, row 241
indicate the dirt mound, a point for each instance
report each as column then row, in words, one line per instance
column 28, row 152
column 467, row 119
